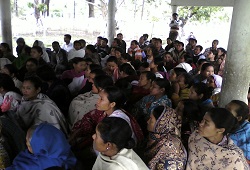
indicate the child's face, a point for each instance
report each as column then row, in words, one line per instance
column 143, row 81
column 168, row 58
column 77, row 46
column 31, row 67
column 181, row 59
column 208, row 72
column 211, row 82
column 193, row 95
column 156, row 90
column 87, row 72
column 81, row 66
column 152, row 65
column 172, row 76
column 35, row 54
column 111, row 66
column 181, row 82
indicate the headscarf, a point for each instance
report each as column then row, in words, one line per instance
column 164, row 148
column 50, row 148
column 45, row 55
column 168, row 123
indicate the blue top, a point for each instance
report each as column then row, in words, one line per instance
column 241, row 138
column 149, row 102
column 50, row 148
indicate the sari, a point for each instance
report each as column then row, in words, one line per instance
column 206, row 155
column 164, row 148
column 42, row 109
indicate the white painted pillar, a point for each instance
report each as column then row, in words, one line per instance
column 5, row 14
column 111, row 20
column 237, row 76
column 174, row 8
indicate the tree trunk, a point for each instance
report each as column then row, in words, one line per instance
column 91, row 8
column 142, row 9
column 16, row 8
column 47, row 4
column 37, row 12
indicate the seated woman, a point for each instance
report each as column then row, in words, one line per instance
column 201, row 93
column 189, row 113
column 127, row 72
column 241, row 136
column 142, row 89
column 45, row 55
column 36, row 108
column 109, row 104
column 210, row 146
column 12, row 71
column 84, row 103
column 75, row 77
column 6, row 52
column 37, row 53
column 46, row 147
column 113, row 140
column 159, row 93
column 164, row 148
column 88, row 85
column 10, row 95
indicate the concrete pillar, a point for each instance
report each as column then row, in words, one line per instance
column 111, row 20
column 174, row 8
column 237, row 76
column 6, row 22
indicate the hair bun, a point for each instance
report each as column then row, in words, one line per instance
column 130, row 143
column 235, row 125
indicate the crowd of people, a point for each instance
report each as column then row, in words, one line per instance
column 115, row 107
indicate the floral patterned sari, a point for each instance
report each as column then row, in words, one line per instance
column 204, row 155
column 164, row 149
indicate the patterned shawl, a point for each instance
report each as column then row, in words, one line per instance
column 164, row 149
column 40, row 110
column 206, row 155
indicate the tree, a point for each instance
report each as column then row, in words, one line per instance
column 199, row 13
column 91, row 8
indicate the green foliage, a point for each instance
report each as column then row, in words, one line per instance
column 30, row 5
column 42, row 7
column 201, row 14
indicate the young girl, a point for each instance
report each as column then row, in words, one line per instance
column 37, row 53
column 46, row 147
column 113, row 141
column 189, row 113
column 201, row 93
column 75, row 77
column 157, row 67
column 139, row 91
column 207, row 70
column 11, row 94
column 45, row 55
column 31, row 67
column 112, row 68
column 159, row 92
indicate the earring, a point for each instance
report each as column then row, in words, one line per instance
column 107, row 148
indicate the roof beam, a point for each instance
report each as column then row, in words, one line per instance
column 224, row 3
